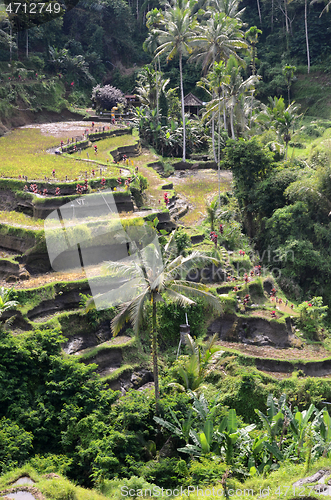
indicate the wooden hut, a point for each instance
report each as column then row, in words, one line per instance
column 192, row 104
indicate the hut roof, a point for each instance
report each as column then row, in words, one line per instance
column 192, row 100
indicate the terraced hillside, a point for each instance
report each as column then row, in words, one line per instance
column 36, row 182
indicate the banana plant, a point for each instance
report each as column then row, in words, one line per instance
column 182, row 429
column 299, row 426
column 229, row 435
column 201, row 362
column 322, row 434
column 274, row 423
column 203, row 441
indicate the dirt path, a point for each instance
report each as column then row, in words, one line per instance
column 307, row 353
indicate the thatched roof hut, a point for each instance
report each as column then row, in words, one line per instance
column 192, row 104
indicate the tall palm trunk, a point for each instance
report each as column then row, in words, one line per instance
column 213, row 125
column 307, row 40
column 213, row 136
column 219, row 150
column 11, row 43
column 27, row 44
column 157, row 93
column 259, row 10
column 231, row 122
column 183, row 109
column 224, row 111
column 154, row 352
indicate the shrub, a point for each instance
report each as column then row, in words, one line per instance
column 183, row 241
column 167, row 473
column 15, row 444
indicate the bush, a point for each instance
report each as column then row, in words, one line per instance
column 205, row 471
column 183, row 241
column 167, row 473
column 51, row 463
column 171, row 316
column 117, row 488
column 15, row 444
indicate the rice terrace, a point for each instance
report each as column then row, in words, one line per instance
column 165, row 267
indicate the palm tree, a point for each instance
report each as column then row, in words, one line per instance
column 285, row 121
column 175, row 37
column 217, row 40
column 237, row 91
column 229, row 7
column 152, row 279
column 5, row 300
column 253, row 37
column 212, row 213
column 218, row 79
column 150, row 84
column 154, row 18
column 288, row 72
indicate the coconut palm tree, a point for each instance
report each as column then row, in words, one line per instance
column 152, row 280
column 285, row 122
column 237, row 91
column 288, row 72
column 218, row 39
column 175, row 38
column 229, row 7
column 154, row 18
column 218, row 79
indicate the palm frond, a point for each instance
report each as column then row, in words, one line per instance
column 122, row 269
column 185, row 288
column 179, row 298
column 130, row 311
column 183, row 265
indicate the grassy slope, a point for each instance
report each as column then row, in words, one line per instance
column 278, row 484
column 20, row 156
column 313, row 93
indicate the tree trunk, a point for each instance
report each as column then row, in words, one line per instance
column 10, row 43
column 219, row 151
column 272, row 15
column 286, row 18
column 259, row 10
column 213, row 137
column 253, row 58
column 183, row 109
column 224, row 111
column 27, row 44
column 231, row 122
column 154, row 351
column 307, row 40
column 157, row 92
